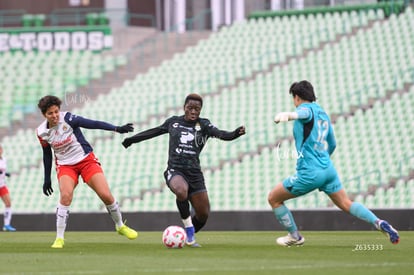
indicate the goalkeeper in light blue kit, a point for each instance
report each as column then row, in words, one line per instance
column 315, row 142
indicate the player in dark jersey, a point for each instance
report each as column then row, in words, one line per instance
column 188, row 135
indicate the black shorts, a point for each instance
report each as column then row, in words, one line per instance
column 194, row 179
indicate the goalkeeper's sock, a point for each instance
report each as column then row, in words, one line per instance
column 285, row 218
column 115, row 212
column 361, row 212
column 62, row 215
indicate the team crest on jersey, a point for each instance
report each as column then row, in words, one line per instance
column 65, row 127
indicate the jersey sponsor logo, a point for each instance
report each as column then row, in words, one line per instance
column 186, row 145
column 186, row 137
column 61, row 143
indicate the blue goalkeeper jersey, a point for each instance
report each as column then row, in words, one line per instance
column 314, row 137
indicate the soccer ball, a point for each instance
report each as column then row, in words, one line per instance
column 174, row 236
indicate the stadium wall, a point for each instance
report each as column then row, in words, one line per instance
column 47, row 7
column 402, row 219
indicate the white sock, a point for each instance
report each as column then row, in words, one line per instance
column 187, row 222
column 7, row 215
column 62, row 215
column 115, row 213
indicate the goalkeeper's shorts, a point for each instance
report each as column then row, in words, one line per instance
column 303, row 182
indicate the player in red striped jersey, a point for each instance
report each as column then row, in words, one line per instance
column 74, row 157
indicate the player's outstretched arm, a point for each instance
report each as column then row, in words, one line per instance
column 147, row 134
column 285, row 116
column 78, row 121
column 225, row 135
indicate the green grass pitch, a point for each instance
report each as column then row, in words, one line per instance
column 327, row 252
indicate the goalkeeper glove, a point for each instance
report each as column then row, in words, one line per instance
column 285, row 116
column 124, row 128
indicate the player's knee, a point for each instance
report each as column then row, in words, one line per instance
column 180, row 191
column 181, row 194
column 66, row 197
column 65, row 200
column 270, row 198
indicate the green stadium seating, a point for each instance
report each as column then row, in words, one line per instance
column 346, row 72
column 28, row 76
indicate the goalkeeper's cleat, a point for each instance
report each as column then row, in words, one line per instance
column 9, row 228
column 387, row 229
column 127, row 232
column 59, row 243
column 288, row 240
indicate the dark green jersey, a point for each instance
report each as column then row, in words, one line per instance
column 187, row 139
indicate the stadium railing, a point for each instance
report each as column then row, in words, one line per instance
column 388, row 8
